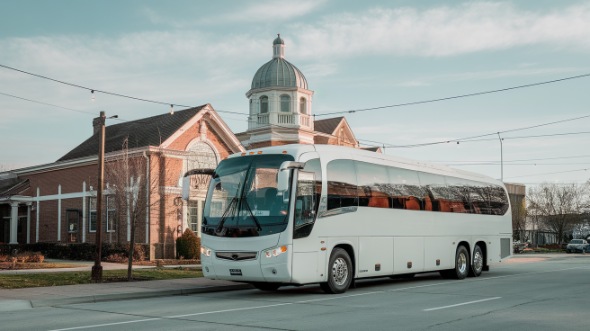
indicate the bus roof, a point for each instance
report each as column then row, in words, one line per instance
column 333, row 151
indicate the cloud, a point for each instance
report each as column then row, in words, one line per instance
column 269, row 11
column 445, row 30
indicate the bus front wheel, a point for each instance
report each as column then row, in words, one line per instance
column 339, row 272
column 462, row 265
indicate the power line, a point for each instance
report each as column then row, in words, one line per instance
column 521, row 160
column 324, row 114
column 549, row 173
column 94, row 90
column 467, row 139
column 527, row 137
column 471, row 138
column 454, row 97
column 46, row 104
column 91, row 89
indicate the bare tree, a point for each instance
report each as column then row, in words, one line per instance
column 558, row 207
column 129, row 181
column 126, row 177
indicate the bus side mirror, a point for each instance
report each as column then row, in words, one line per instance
column 284, row 175
column 186, row 180
column 283, row 180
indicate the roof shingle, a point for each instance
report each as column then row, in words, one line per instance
column 150, row 131
column 328, row 125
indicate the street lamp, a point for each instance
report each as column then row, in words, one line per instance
column 97, row 267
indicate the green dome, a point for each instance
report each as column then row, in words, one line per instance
column 278, row 72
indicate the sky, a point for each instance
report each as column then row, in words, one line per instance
column 383, row 59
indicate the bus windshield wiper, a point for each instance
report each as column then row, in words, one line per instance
column 244, row 202
column 230, row 207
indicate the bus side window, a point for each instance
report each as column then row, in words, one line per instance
column 435, row 188
column 342, row 187
column 372, row 182
column 404, row 188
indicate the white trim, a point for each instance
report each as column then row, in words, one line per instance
column 84, row 215
column 29, row 222
column 59, row 213
column 38, row 210
column 13, row 223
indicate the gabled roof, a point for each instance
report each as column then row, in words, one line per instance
column 150, row 131
column 13, row 186
column 328, row 125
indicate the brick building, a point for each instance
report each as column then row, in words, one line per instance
column 56, row 202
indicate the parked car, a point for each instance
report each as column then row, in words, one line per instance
column 577, row 246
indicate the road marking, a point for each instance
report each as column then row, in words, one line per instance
column 311, row 300
column 462, row 304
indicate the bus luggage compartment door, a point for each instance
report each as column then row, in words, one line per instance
column 375, row 256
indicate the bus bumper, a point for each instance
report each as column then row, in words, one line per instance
column 275, row 269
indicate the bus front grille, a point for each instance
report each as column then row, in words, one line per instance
column 236, row 256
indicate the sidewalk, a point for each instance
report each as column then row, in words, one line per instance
column 33, row 297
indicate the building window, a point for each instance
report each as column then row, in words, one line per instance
column 193, row 216
column 303, row 106
column 285, row 103
column 73, row 219
column 111, row 214
column 73, row 216
column 202, row 156
column 263, row 104
column 92, row 215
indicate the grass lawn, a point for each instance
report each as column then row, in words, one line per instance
column 72, row 278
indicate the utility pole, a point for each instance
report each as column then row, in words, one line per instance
column 501, row 159
column 97, row 268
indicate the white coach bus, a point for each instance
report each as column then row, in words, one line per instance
column 304, row 214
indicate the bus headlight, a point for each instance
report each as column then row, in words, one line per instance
column 205, row 251
column 275, row 251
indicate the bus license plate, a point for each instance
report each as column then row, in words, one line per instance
column 235, row 272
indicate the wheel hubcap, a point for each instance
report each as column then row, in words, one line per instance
column 462, row 263
column 340, row 271
column 478, row 261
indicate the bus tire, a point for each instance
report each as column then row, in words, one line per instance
column 271, row 287
column 339, row 272
column 477, row 262
column 461, row 265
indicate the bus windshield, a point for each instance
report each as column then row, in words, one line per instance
column 243, row 201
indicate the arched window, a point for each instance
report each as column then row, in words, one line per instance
column 263, row 104
column 201, row 156
column 285, row 103
column 303, row 106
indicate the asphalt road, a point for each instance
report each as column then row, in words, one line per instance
column 520, row 294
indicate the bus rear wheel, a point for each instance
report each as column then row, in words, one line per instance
column 462, row 265
column 477, row 263
column 339, row 272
